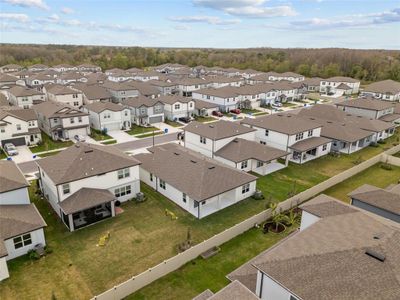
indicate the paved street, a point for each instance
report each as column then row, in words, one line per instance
column 30, row 166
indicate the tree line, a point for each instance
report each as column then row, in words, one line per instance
column 366, row 65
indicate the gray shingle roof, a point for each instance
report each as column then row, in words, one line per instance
column 11, row 177
column 192, row 173
column 99, row 107
column 385, row 86
column 310, row 143
column 234, row 290
column 365, row 103
column 217, row 130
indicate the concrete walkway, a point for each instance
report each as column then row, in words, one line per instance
column 121, row 136
column 24, row 155
column 163, row 126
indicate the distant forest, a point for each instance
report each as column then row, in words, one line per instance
column 366, row 65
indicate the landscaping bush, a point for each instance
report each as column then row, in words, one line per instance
column 386, row 166
column 32, row 254
column 381, row 142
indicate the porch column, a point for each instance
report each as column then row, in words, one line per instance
column 71, row 222
column 287, row 160
column 113, row 208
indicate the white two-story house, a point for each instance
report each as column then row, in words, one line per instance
column 85, row 182
column 340, row 85
column 24, row 97
column 145, row 111
column 120, row 90
column 299, row 136
column 60, row 121
column 176, row 107
column 20, row 222
column 108, row 116
column 226, row 97
column 388, row 90
column 64, row 95
column 19, row 127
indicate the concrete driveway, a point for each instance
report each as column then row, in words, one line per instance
column 121, row 136
column 24, row 155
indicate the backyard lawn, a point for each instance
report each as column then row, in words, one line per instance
column 143, row 236
column 97, row 135
column 200, row 274
column 48, row 144
column 141, row 129
column 374, row 175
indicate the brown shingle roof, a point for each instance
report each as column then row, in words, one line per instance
column 141, row 101
column 240, row 149
column 217, row 130
column 11, row 177
column 171, row 99
column 85, row 198
column 22, row 91
column 234, row 290
column 144, row 88
column 19, row 113
column 99, row 107
column 192, row 173
column 385, row 86
column 58, row 89
column 93, row 91
column 199, row 104
column 309, row 143
column 366, row 103
column 84, row 160
column 52, row 109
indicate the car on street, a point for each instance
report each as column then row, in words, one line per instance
column 217, row 113
column 10, row 149
column 79, row 138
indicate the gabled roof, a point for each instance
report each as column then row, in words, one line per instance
column 310, row 143
column 342, row 79
column 8, row 78
column 283, row 123
column 217, row 130
column 19, row 113
column 84, row 160
column 200, row 104
column 223, row 92
column 22, row 91
column 192, row 173
column 99, row 107
column 240, row 149
column 11, row 177
column 366, row 103
column 118, row 86
column 85, row 198
column 172, row 99
column 93, row 91
column 52, row 109
column 234, row 290
column 144, row 88
column 58, row 89
column 141, row 101
column 385, row 86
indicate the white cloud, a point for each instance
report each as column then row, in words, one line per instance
column 248, row 8
column 181, row 27
column 204, row 19
column 29, row 3
column 67, row 10
column 360, row 20
column 23, row 18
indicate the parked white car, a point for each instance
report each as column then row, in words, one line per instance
column 10, row 149
column 80, row 138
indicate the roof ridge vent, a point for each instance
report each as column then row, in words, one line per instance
column 211, row 167
column 193, row 161
column 176, row 153
column 378, row 256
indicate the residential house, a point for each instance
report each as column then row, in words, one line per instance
column 167, row 68
column 39, row 80
column 291, row 133
column 119, row 76
column 226, row 97
column 108, row 116
column 113, row 71
column 176, row 106
column 194, row 182
column 388, row 90
column 85, row 182
column 120, row 90
column 96, row 78
column 7, row 81
column 145, row 111
column 10, row 68
column 19, row 126
column 24, row 97
column 204, row 108
column 165, row 87
column 342, row 252
column 313, row 84
column 71, row 77
column 64, row 68
column 366, row 107
column 340, row 85
column 88, row 68
column 20, row 222
column 64, row 94
column 61, row 121
column 23, row 75
column 146, row 76
column 383, row 202
column 38, row 68
column 93, row 93
column 288, row 76
column 186, row 86
column 145, row 88
column 221, row 81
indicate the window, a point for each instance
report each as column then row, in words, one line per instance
column 126, row 113
column 259, row 164
column 162, row 184
column 80, row 119
column 3, row 130
column 22, row 241
column 177, row 106
column 324, row 147
column 299, row 136
column 191, row 104
column 203, row 140
column 243, row 165
column 195, row 204
column 123, row 173
column 72, row 120
column 65, row 189
column 266, row 132
column 122, row 191
column 143, row 110
column 263, row 143
column 246, row 188
column 18, row 126
column 184, row 197
column 151, row 176
column 76, row 103
column 310, row 132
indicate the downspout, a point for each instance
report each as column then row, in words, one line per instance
column 198, row 210
column 261, row 284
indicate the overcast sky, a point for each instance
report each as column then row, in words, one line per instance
column 203, row 23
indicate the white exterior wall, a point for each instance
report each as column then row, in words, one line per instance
column 383, row 96
column 355, row 86
column 19, row 196
column 366, row 112
column 270, row 290
column 184, row 110
column 67, row 99
column 115, row 122
column 274, row 139
column 37, row 237
column 3, row 269
column 225, row 104
column 307, row 220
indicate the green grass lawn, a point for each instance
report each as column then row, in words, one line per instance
column 250, row 111
column 205, row 119
column 263, row 113
column 48, row 144
column 140, row 129
column 142, row 236
column 397, row 154
column 374, row 175
column 289, row 104
column 2, row 154
column 97, row 135
column 172, row 123
column 110, row 142
column 49, row 154
column 201, row 274
column 150, row 134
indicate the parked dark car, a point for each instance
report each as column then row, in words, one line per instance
column 235, row 111
column 217, row 113
column 184, row 119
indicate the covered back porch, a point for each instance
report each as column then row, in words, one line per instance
column 309, row 149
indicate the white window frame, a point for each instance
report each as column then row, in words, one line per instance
column 22, row 240
column 246, row 188
column 162, row 184
column 123, row 173
column 66, row 189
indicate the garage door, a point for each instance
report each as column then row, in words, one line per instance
column 16, row 141
column 112, row 126
column 157, row 119
column 78, row 131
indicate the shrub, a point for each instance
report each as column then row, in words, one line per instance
column 386, row 166
column 32, row 254
column 381, row 142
